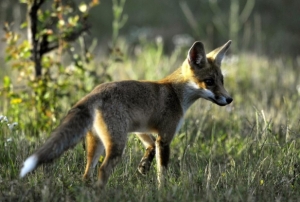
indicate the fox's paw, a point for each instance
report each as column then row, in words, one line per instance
column 144, row 166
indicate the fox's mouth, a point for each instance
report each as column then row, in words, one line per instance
column 222, row 105
column 219, row 103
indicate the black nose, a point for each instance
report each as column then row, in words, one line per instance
column 229, row 100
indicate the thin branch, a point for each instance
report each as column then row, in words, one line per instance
column 39, row 4
column 49, row 48
column 32, row 32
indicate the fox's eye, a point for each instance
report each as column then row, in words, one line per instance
column 209, row 82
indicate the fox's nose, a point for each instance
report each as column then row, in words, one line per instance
column 229, row 100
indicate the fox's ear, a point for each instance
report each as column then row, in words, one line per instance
column 218, row 54
column 196, row 55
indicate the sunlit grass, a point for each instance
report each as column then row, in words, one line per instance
column 247, row 151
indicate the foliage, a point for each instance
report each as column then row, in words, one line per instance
column 119, row 19
column 48, row 77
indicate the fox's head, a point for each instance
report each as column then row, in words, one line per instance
column 203, row 73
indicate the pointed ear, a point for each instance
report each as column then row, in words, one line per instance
column 218, row 54
column 196, row 55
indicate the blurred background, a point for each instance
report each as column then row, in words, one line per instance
column 269, row 27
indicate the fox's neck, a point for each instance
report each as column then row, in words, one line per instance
column 179, row 76
column 175, row 77
column 182, row 86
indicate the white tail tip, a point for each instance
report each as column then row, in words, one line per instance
column 29, row 165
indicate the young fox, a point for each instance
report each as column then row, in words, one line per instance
column 112, row 110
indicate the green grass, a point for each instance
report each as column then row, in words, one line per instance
column 247, row 151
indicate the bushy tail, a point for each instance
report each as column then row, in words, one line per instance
column 72, row 129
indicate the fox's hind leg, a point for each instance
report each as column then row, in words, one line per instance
column 149, row 142
column 112, row 158
column 94, row 148
column 114, row 138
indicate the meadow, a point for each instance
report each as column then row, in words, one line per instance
column 246, row 151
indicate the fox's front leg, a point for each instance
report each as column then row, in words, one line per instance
column 162, row 159
column 145, row 163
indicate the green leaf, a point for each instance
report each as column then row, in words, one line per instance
column 8, row 58
column 23, row 25
column 23, row 1
column 6, row 82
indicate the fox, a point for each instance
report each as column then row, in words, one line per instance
column 112, row 110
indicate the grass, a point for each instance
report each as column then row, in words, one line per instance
column 247, row 151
